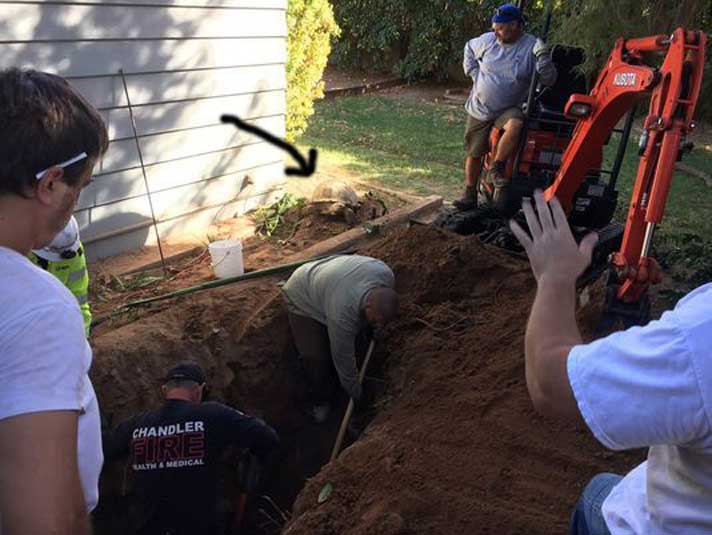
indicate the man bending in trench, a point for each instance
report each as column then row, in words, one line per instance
column 646, row 386
column 330, row 303
column 175, row 452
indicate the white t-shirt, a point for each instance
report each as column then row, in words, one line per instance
column 45, row 358
column 652, row 386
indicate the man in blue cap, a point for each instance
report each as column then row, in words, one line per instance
column 501, row 64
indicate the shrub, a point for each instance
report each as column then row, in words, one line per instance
column 595, row 25
column 311, row 27
column 416, row 39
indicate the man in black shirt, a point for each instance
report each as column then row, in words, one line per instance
column 175, row 450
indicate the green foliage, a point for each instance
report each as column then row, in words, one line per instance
column 426, row 38
column 595, row 25
column 311, row 27
column 417, row 38
column 268, row 218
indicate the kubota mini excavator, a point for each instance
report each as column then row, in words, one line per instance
column 562, row 152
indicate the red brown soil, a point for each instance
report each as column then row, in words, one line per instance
column 302, row 228
column 239, row 333
column 455, row 446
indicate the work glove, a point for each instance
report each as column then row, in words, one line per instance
column 541, row 50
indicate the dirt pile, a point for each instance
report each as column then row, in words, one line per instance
column 240, row 335
column 300, row 228
column 457, row 448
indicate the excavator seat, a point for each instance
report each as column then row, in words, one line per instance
column 550, row 102
column 569, row 79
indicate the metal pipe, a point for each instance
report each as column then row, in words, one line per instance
column 209, row 285
column 143, row 170
column 648, row 240
column 622, row 146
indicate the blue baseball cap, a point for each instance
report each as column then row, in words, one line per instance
column 507, row 13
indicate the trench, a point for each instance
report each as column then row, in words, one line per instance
column 453, row 443
column 252, row 365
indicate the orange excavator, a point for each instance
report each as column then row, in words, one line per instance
column 562, row 152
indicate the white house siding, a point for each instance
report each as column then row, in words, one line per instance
column 186, row 62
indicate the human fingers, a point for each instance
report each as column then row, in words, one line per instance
column 521, row 235
column 587, row 244
column 542, row 208
column 532, row 219
column 557, row 211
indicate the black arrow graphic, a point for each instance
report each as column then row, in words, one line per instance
column 306, row 168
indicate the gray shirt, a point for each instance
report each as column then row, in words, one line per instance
column 501, row 73
column 331, row 291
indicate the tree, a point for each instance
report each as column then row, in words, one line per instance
column 594, row 25
column 311, row 27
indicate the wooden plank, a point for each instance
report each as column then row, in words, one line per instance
column 108, row 91
column 125, row 184
column 176, row 201
column 157, row 118
column 183, row 144
column 348, row 239
column 195, row 223
column 52, row 22
column 106, row 219
column 173, row 202
column 241, row 160
column 112, row 188
column 107, row 57
column 222, row 5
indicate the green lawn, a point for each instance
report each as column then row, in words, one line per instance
column 417, row 147
column 414, row 147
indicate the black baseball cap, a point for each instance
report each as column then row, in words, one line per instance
column 186, row 371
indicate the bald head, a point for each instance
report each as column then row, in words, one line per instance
column 381, row 306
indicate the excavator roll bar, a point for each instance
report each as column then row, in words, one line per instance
column 673, row 89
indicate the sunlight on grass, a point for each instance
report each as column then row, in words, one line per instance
column 416, row 147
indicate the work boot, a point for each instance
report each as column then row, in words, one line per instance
column 495, row 172
column 496, row 177
column 468, row 201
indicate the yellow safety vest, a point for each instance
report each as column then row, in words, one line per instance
column 73, row 273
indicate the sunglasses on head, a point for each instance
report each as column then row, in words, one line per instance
column 77, row 158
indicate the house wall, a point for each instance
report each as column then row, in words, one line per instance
column 185, row 62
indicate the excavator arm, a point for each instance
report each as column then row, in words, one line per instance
column 673, row 89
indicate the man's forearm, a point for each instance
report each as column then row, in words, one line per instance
column 547, row 71
column 551, row 333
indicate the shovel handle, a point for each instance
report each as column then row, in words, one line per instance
column 350, row 408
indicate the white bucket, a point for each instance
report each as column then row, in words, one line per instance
column 226, row 256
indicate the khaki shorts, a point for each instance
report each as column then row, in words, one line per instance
column 477, row 132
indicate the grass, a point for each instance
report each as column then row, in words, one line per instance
column 416, row 146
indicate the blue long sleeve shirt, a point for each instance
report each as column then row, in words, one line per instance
column 501, row 73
